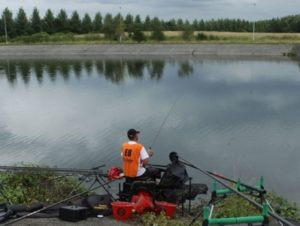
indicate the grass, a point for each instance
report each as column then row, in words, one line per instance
column 172, row 37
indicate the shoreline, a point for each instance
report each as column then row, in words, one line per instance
column 194, row 50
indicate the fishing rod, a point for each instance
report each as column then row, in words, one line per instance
column 164, row 121
column 260, row 191
column 59, row 202
column 276, row 216
column 94, row 170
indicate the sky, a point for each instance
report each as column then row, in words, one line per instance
column 165, row 9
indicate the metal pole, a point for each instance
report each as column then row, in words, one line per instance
column 253, row 28
column 253, row 35
column 5, row 29
column 120, row 39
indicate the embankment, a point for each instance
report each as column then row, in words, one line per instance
column 147, row 50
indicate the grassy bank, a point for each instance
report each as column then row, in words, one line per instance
column 28, row 187
column 171, row 37
column 46, row 187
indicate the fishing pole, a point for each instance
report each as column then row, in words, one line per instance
column 94, row 170
column 59, row 202
column 276, row 216
column 260, row 191
column 164, row 121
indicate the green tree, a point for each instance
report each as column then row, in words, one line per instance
column 75, row 23
column 2, row 32
column 137, row 21
column 119, row 27
column 36, row 23
column 201, row 25
column 87, row 25
column 97, row 23
column 22, row 24
column 7, row 16
column 129, row 26
column 109, row 27
column 195, row 25
column 49, row 22
column 179, row 25
column 171, row 25
column 62, row 22
column 187, row 32
column 157, row 32
column 147, row 24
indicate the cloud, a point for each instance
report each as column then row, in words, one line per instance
column 167, row 9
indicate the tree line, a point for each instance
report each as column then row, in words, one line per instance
column 113, row 27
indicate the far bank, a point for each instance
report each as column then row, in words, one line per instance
column 149, row 50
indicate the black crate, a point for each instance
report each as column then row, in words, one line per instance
column 72, row 213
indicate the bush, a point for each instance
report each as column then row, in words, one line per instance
column 201, row 36
column 283, row 207
column 187, row 34
column 29, row 187
column 235, row 206
column 213, row 37
column 92, row 37
column 138, row 35
column 62, row 37
column 2, row 39
column 40, row 37
column 157, row 35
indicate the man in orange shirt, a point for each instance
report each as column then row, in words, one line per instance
column 135, row 157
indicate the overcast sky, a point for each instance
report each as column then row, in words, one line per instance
column 166, row 9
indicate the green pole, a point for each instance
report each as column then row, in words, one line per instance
column 238, row 184
column 261, row 182
column 206, row 213
column 214, row 186
column 236, row 220
column 265, row 210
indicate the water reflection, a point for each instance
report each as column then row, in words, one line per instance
column 113, row 70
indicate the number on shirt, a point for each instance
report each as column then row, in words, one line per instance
column 128, row 152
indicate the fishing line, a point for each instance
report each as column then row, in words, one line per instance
column 164, row 121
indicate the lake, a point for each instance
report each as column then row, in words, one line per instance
column 238, row 117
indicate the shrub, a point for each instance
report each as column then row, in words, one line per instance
column 40, row 37
column 92, row 37
column 29, row 187
column 187, row 34
column 201, row 36
column 157, row 35
column 138, row 35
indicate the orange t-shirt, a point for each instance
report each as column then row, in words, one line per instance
column 131, row 158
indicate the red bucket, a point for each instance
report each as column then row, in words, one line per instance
column 167, row 207
column 122, row 210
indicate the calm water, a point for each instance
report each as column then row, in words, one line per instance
column 237, row 117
